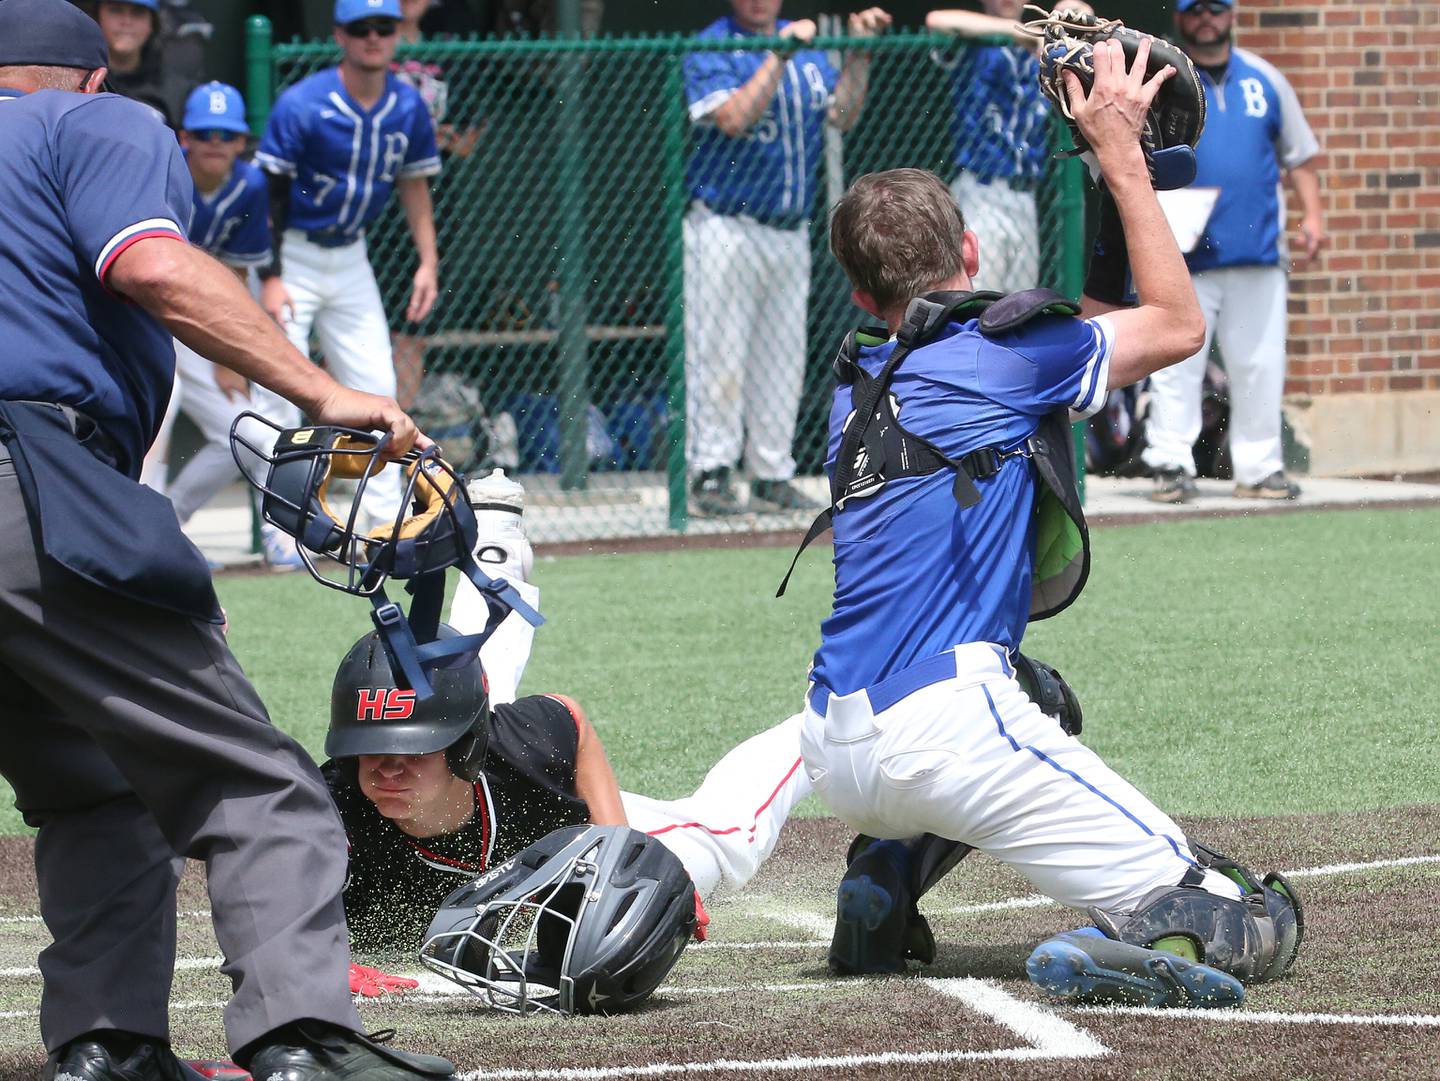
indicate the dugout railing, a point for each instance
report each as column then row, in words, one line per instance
column 557, row 347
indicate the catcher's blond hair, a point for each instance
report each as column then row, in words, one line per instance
column 897, row 235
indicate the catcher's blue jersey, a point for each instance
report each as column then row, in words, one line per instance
column 1000, row 116
column 232, row 222
column 914, row 574
column 83, row 177
column 344, row 159
column 1253, row 129
column 768, row 173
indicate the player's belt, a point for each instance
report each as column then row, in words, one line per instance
column 903, row 684
column 331, row 240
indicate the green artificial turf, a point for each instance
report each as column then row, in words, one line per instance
column 1239, row 666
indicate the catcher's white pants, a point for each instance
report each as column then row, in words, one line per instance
column 971, row 758
column 728, row 826
column 747, row 287
column 1246, row 308
column 1007, row 225
column 335, row 295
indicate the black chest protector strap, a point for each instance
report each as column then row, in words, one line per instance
column 875, row 448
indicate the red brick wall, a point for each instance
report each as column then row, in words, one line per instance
column 1366, row 316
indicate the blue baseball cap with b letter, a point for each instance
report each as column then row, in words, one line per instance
column 215, row 106
column 1183, row 6
column 352, row 11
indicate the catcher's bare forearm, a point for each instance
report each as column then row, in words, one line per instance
column 204, row 305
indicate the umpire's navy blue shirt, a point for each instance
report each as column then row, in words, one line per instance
column 82, row 177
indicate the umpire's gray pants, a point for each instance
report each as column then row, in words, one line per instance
column 132, row 738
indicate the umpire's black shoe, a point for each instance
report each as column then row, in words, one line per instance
column 116, row 1056
column 315, row 1051
column 877, row 925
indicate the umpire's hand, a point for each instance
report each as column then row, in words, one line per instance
column 356, row 409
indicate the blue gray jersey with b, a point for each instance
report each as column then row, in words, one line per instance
column 769, row 173
column 344, row 159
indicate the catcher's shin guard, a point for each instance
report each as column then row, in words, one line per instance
column 1254, row 939
column 878, row 926
column 1084, row 966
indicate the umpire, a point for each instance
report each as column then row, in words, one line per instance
column 129, row 733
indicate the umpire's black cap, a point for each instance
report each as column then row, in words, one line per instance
column 50, row 33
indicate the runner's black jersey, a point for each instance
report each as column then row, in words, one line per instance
column 396, row 882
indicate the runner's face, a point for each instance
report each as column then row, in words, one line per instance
column 408, row 786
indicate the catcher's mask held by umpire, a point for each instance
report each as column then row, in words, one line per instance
column 589, row 919
column 439, row 532
column 372, row 712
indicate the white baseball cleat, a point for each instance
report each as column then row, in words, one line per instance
column 499, row 505
column 279, row 550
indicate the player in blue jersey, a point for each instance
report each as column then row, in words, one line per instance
column 759, row 118
column 131, row 737
column 1255, row 136
column 232, row 222
column 1000, row 126
column 337, row 144
column 915, row 723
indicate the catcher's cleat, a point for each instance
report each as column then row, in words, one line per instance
column 314, row 1051
column 1085, row 967
column 877, row 925
column 116, row 1056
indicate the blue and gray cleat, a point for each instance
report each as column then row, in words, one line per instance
column 1086, row 967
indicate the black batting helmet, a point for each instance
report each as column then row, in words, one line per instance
column 589, row 919
column 371, row 712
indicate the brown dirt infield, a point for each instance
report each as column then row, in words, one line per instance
column 760, row 993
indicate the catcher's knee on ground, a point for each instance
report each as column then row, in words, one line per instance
column 1254, row 939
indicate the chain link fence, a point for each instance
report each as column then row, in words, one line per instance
column 568, row 227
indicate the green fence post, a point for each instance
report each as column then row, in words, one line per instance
column 1072, row 273
column 574, row 388
column 259, row 72
column 259, row 96
column 676, row 122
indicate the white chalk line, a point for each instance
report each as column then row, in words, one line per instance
column 795, row 1064
column 1038, row 1027
column 199, row 913
column 1269, row 1017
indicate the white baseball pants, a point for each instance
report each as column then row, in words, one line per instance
column 1007, row 225
column 971, row 758
column 747, row 288
column 334, row 293
column 1246, row 308
column 728, row 826
column 212, row 467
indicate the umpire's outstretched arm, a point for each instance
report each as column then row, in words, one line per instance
column 205, row 307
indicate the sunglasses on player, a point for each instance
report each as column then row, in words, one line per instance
column 383, row 28
column 215, row 135
column 1212, row 7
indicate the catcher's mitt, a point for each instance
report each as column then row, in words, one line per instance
column 1177, row 115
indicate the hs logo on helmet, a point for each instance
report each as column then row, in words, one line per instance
column 381, row 704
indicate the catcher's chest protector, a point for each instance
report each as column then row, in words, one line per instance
column 877, row 449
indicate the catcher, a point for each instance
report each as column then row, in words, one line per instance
column 956, row 520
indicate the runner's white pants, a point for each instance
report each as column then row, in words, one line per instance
column 1246, row 308
column 1006, row 223
column 335, row 295
column 747, row 287
column 728, row 826
column 971, row 758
